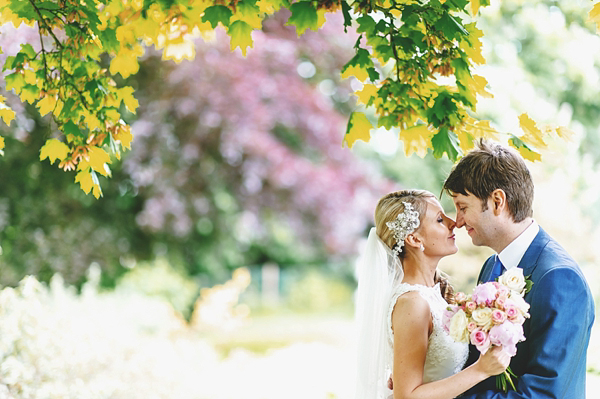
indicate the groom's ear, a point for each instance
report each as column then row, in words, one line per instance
column 498, row 201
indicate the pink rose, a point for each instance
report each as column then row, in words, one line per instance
column 503, row 291
column 460, row 297
column 470, row 306
column 484, row 294
column 498, row 316
column 481, row 340
column 500, row 302
column 511, row 311
column 471, row 326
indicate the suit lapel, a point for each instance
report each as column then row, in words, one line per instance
column 529, row 261
column 486, row 271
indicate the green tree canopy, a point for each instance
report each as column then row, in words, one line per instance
column 414, row 60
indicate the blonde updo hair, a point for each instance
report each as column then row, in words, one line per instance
column 389, row 207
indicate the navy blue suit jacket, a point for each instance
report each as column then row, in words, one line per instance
column 551, row 362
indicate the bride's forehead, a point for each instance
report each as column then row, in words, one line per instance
column 433, row 206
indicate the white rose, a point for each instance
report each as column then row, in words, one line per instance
column 513, row 279
column 458, row 327
column 521, row 304
column 482, row 317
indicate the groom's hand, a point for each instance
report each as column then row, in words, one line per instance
column 391, row 384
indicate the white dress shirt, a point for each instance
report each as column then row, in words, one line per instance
column 513, row 253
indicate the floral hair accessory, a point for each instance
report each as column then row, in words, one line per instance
column 406, row 223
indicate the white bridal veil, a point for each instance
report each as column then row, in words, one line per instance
column 379, row 272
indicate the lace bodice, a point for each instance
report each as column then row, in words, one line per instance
column 444, row 357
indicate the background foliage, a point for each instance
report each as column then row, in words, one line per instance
column 415, row 61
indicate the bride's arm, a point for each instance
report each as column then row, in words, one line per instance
column 411, row 320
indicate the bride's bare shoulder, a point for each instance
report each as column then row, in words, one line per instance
column 411, row 305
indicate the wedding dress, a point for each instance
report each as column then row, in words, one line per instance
column 380, row 276
column 444, row 357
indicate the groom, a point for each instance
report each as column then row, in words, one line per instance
column 492, row 190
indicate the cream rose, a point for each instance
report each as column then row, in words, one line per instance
column 513, row 279
column 518, row 301
column 458, row 327
column 483, row 317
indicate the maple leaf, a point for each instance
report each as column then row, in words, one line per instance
column 15, row 82
column 416, row 139
column 475, row 7
column 471, row 45
column 47, row 104
column 179, row 49
column 1, row 143
column 524, row 149
column 304, row 16
column 594, row 16
column 124, row 136
column 216, row 14
column 126, row 61
column 54, row 149
column 98, row 159
column 364, row 96
column 445, row 141
column 88, row 181
column 84, row 178
column 249, row 13
column 473, row 129
column 126, row 95
column 359, row 128
column 113, row 114
column 6, row 114
column 533, row 135
column 564, row 132
column 241, row 36
column 92, row 121
column 358, row 66
column 29, row 94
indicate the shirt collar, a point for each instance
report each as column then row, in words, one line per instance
column 513, row 253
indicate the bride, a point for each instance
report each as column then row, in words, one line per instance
column 400, row 301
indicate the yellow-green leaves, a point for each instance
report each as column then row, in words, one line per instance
column 594, row 16
column 88, row 181
column 304, row 16
column 241, row 36
column 125, row 94
column 54, row 149
column 359, row 128
column 416, row 139
column 217, row 14
column 367, row 94
column 360, row 66
column 126, row 61
column 533, row 135
column 6, row 114
column 98, row 160
column 525, row 151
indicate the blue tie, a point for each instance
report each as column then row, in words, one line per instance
column 497, row 269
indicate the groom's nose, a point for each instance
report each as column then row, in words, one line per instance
column 460, row 222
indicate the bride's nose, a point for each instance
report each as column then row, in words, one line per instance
column 451, row 224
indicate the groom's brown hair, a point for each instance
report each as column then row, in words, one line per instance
column 492, row 166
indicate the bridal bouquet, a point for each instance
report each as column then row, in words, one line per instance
column 493, row 315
